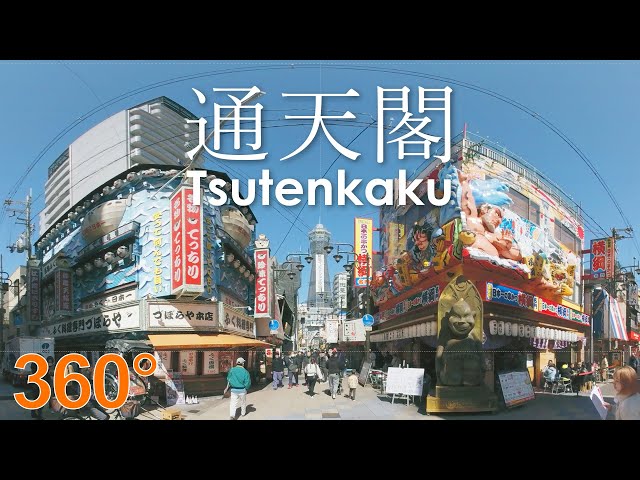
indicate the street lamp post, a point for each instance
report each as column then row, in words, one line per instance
column 349, row 267
column 292, row 274
column 4, row 281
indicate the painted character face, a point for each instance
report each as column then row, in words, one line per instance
column 491, row 217
column 462, row 319
column 421, row 240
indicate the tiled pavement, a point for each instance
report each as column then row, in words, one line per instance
column 295, row 404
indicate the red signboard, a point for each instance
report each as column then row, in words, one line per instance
column 177, row 268
column 262, row 302
column 186, row 244
column 634, row 336
column 603, row 256
column 193, row 243
column 33, row 279
column 63, row 292
column 363, row 242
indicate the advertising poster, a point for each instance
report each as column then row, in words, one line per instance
column 201, row 209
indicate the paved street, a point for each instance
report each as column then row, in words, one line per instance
column 294, row 404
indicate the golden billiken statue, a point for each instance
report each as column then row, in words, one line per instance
column 459, row 356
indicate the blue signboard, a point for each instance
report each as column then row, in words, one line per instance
column 367, row 320
column 274, row 324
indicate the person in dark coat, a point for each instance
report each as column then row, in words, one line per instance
column 277, row 367
column 633, row 362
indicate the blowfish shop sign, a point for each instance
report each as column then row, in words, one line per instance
column 516, row 298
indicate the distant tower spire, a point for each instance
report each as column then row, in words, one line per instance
column 320, row 284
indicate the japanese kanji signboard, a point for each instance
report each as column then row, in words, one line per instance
column 186, row 244
column 263, row 302
column 363, row 249
column 603, row 256
column 108, row 321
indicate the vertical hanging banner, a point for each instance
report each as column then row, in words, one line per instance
column 603, row 257
column 177, row 267
column 63, row 292
column 262, row 303
column 33, row 276
column 363, row 234
column 186, row 244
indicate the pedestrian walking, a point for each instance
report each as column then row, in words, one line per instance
column 604, row 368
column 625, row 382
column 312, row 373
column 239, row 381
column 633, row 362
column 353, row 384
column 292, row 367
column 277, row 367
column 372, row 358
column 322, row 363
column 333, row 367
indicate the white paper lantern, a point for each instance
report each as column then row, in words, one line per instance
column 574, row 337
column 507, row 329
column 514, row 329
column 527, row 331
column 434, row 328
column 521, row 330
column 500, row 327
column 493, row 327
column 538, row 332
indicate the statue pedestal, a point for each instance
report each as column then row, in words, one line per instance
column 462, row 399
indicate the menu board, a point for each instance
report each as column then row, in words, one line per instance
column 364, row 372
column 516, row 388
column 405, row 381
column 174, row 388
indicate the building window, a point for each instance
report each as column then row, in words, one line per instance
column 566, row 237
column 520, row 204
column 534, row 212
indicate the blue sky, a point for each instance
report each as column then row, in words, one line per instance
column 596, row 104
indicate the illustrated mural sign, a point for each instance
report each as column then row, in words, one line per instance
column 496, row 219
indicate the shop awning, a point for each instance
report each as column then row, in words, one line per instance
column 617, row 322
column 195, row 340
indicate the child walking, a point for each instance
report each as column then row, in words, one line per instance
column 353, row 384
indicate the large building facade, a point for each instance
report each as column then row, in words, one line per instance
column 510, row 231
column 152, row 133
column 130, row 256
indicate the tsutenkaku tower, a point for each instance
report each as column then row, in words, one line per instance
column 320, row 294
